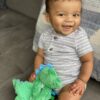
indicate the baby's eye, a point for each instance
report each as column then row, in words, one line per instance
column 76, row 15
column 60, row 14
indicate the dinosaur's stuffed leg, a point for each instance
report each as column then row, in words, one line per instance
column 23, row 90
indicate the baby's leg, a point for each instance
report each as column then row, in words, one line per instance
column 66, row 95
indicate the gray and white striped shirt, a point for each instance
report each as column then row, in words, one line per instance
column 64, row 52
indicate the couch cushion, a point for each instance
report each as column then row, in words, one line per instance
column 28, row 7
column 2, row 4
column 16, row 36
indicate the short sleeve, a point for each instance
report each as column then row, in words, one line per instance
column 83, row 44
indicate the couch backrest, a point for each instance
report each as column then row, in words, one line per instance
column 28, row 7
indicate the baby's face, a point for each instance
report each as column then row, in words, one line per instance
column 65, row 15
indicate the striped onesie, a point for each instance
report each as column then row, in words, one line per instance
column 64, row 52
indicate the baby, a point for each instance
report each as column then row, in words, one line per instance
column 67, row 47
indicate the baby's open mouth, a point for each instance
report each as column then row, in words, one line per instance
column 67, row 26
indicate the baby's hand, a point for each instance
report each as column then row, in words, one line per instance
column 32, row 77
column 77, row 87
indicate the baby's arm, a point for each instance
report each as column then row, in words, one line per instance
column 38, row 60
column 85, row 72
column 87, row 67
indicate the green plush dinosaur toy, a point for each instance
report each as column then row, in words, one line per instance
column 41, row 88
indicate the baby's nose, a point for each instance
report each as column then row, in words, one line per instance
column 69, row 22
column 69, row 17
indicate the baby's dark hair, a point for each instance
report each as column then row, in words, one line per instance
column 48, row 2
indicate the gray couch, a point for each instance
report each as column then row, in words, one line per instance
column 17, row 28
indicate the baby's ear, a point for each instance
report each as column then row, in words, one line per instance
column 47, row 17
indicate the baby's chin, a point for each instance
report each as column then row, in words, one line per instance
column 65, row 33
